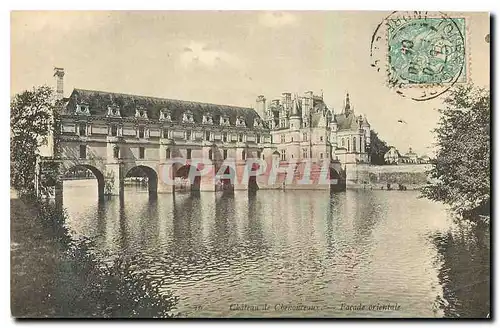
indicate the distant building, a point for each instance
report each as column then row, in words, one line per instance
column 411, row 157
column 425, row 159
column 392, row 156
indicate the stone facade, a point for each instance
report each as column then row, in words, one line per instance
column 113, row 134
column 303, row 127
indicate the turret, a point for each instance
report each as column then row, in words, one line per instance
column 347, row 105
column 295, row 119
column 307, row 105
column 333, row 130
column 366, row 127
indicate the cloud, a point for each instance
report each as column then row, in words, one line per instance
column 277, row 19
column 201, row 54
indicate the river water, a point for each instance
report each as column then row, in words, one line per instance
column 362, row 253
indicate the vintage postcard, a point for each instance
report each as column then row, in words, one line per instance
column 250, row 164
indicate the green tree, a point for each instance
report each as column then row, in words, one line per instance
column 377, row 149
column 462, row 165
column 30, row 124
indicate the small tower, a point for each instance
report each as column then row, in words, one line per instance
column 59, row 75
column 333, row 130
column 347, row 105
column 295, row 119
column 366, row 128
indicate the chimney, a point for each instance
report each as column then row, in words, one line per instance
column 59, row 75
column 260, row 106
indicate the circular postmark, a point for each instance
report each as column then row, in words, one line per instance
column 422, row 54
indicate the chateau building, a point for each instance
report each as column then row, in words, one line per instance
column 112, row 134
column 304, row 127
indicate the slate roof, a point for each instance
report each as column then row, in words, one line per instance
column 100, row 100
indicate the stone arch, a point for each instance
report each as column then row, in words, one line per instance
column 95, row 171
column 226, row 184
column 252, row 179
column 183, row 180
column 151, row 174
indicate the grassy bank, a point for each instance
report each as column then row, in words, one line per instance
column 55, row 276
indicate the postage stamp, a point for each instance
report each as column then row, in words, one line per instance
column 422, row 54
column 427, row 50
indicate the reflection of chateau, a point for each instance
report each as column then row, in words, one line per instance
column 394, row 157
column 113, row 134
column 304, row 127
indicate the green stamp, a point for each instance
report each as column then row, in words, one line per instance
column 426, row 51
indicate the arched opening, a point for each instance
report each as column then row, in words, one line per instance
column 252, row 180
column 340, row 175
column 81, row 179
column 141, row 177
column 225, row 181
column 184, row 183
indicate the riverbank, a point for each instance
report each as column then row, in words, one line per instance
column 33, row 259
column 54, row 276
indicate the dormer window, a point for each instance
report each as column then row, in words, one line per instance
column 113, row 111
column 207, row 119
column 224, row 120
column 165, row 115
column 141, row 112
column 257, row 123
column 187, row 117
column 240, row 121
column 82, row 109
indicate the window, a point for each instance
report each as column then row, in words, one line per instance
column 263, row 157
column 141, row 132
column 165, row 133
column 141, row 152
column 240, row 137
column 304, row 152
column 348, row 144
column 354, row 144
column 116, row 152
column 188, row 154
column 243, row 155
column 83, row 129
column 258, row 138
column 321, row 155
column 321, row 138
column 283, row 155
column 225, row 153
column 114, row 130
column 258, row 154
column 83, row 151
column 207, row 135
column 167, row 153
column 343, row 143
column 188, row 135
column 283, row 139
column 210, row 154
column 304, row 137
column 224, row 137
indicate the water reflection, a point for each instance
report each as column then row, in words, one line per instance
column 464, row 272
column 291, row 247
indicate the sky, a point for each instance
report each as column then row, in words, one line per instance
column 231, row 58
